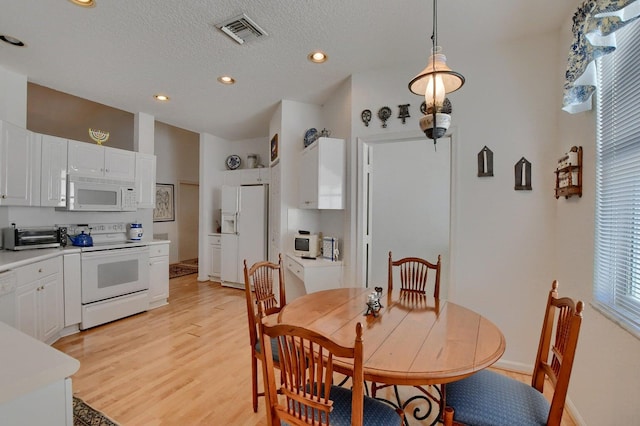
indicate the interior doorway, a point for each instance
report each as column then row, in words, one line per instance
column 188, row 207
column 405, row 203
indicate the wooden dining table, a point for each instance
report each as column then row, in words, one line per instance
column 413, row 340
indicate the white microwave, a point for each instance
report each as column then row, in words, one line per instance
column 307, row 245
column 98, row 194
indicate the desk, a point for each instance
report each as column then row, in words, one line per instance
column 414, row 340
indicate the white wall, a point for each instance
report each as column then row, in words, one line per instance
column 177, row 159
column 606, row 374
column 13, row 97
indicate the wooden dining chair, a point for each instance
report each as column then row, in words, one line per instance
column 488, row 397
column 307, row 394
column 261, row 281
column 414, row 274
column 414, row 278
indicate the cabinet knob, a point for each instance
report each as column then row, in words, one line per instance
column 40, row 270
column 4, row 196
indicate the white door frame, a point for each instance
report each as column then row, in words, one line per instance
column 364, row 215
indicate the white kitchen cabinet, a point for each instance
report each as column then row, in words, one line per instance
column 96, row 160
column 215, row 251
column 40, row 299
column 257, row 176
column 36, row 387
column 146, row 180
column 53, row 178
column 158, row 274
column 19, row 176
column 316, row 274
column 322, row 175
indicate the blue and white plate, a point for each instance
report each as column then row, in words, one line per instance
column 310, row 136
column 233, row 162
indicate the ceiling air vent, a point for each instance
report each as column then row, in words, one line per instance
column 242, row 28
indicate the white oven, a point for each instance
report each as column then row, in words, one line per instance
column 115, row 283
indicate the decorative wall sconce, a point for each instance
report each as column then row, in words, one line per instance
column 522, row 171
column 485, row 162
column 383, row 114
column 366, row 117
column 403, row 114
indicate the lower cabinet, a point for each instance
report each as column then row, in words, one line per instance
column 316, row 275
column 158, row 275
column 215, row 251
column 40, row 299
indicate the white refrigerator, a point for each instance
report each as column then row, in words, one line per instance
column 244, row 230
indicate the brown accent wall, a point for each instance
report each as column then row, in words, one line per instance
column 59, row 114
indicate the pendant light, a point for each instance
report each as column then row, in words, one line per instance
column 434, row 82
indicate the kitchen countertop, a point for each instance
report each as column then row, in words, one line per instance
column 10, row 259
column 26, row 364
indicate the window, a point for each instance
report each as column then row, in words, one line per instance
column 617, row 236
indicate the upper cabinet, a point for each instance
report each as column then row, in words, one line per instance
column 88, row 159
column 257, row 176
column 322, row 175
column 146, row 180
column 53, row 179
column 19, row 166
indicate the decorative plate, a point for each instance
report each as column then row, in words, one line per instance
column 310, row 136
column 233, row 162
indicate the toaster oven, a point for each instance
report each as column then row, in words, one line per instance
column 15, row 238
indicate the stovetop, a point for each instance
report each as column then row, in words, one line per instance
column 105, row 236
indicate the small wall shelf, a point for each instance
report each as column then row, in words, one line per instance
column 569, row 174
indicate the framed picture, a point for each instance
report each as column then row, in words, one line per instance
column 274, row 149
column 164, row 211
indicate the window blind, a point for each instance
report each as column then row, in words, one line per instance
column 617, row 227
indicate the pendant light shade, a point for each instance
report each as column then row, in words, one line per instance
column 436, row 68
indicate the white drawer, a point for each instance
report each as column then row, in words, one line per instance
column 158, row 250
column 215, row 239
column 30, row 273
column 296, row 268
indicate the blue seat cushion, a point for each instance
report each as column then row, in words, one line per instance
column 492, row 399
column 376, row 413
column 274, row 349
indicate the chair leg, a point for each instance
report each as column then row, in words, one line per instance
column 374, row 389
column 448, row 416
column 254, row 383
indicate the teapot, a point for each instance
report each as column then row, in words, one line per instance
column 81, row 240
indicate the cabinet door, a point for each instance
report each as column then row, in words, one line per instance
column 27, row 309
column 158, row 279
column 50, row 307
column 17, row 146
column 308, row 190
column 216, row 260
column 85, row 158
column 146, row 180
column 120, row 163
column 53, row 180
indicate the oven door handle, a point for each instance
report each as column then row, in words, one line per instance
column 114, row 252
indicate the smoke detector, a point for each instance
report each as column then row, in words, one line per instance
column 241, row 29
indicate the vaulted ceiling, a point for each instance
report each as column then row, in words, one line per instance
column 122, row 52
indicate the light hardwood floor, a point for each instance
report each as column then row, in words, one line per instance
column 186, row 363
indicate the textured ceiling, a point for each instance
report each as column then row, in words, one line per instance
column 122, row 52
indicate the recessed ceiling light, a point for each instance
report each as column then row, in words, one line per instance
column 11, row 40
column 163, row 98
column 317, row 57
column 225, row 79
column 84, row 3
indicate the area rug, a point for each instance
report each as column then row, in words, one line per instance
column 186, row 267
column 86, row 415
